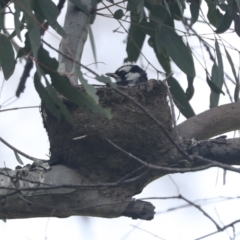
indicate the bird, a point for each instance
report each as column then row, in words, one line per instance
column 129, row 75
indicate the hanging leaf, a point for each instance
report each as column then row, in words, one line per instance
column 225, row 24
column 214, row 15
column 106, row 80
column 34, row 38
column 214, row 87
column 232, row 65
column 92, row 43
column 6, row 57
column 176, row 48
column 135, row 39
column 26, row 49
column 90, row 89
column 190, row 88
column 45, row 97
column 194, row 9
column 51, row 12
column 93, row 12
column 216, row 80
column 179, row 98
column 63, row 86
column 61, row 106
column 220, row 64
column 163, row 57
column 236, row 90
column 167, row 7
column 18, row 158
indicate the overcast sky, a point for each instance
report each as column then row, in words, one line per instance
column 24, row 130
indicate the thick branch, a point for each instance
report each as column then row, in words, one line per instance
column 222, row 150
column 76, row 28
column 211, row 123
column 32, row 198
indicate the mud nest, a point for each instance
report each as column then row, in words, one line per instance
column 130, row 128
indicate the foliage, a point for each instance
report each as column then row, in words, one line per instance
column 155, row 20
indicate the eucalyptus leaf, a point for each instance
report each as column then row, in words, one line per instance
column 92, row 43
column 225, row 24
column 179, row 98
column 51, row 12
column 34, row 38
column 45, row 97
column 135, row 39
column 90, row 89
column 194, row 9
column 7, row 58
column 18, row 158
column 176, row 48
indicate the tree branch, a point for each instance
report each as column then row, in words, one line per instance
column 212, row 122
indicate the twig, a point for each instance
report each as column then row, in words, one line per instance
column 220, row 230
column 20, row 152
column 17, row 108
column 201, row 210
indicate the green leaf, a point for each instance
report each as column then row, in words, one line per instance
column 167, row 7
column 179, row 98
column 176, row 48
column 163, row 57
column 92, row 43
column 190, row 88
column 106, row 80
column 34, row 38
column 90, row 89
column 118, row 14
column 6, row 57
column 181, row 7
column 135, row 39
column 148, row 28
column 1, row 18
column 63, row 109
column 63, row 86
column 236, row 90
column 136, row 6
column 220, row 62
column 133, row 5
column 215, row 78
column 225, row 24
column 194, row 8
column 81, row 6
column 51, row 12
column 214, row 15
column 232, row 65
column 26, row 8
column 26, row 49
column 45, row 97
column 18, row 158
column 214, row 87
column 93, row 12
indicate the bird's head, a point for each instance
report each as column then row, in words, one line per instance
column 129, row 75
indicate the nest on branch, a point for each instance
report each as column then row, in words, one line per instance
column 130, row 128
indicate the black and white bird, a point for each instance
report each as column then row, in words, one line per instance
column 129, row 75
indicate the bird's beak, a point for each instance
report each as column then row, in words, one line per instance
column 113, row 75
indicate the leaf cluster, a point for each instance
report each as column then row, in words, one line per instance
column 152, row 19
